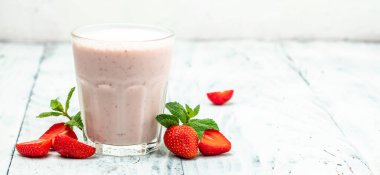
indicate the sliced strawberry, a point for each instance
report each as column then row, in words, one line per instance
column 69, row 132
column 56, row 129
column 69, row 147
column 213, row 143
column 35, row 148
column 219, row 98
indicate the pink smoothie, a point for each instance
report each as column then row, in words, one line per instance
column 122, row 81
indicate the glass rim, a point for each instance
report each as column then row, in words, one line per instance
column 170, row 33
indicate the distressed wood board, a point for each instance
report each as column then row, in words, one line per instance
column 298, row 108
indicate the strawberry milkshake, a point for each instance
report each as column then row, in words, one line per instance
column 122, row 73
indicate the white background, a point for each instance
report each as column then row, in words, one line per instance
column 52, row 20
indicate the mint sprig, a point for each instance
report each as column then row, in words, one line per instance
column 76, row 120
column 200, row 125
column 178, row 111
column 186, row 116
column 167, row 120
column 59, row 110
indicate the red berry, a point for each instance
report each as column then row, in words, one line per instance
column 182, row 141
column 219, row 98
column 69, row 147
column 56, row 129
column 213, row 143
column 35, row 148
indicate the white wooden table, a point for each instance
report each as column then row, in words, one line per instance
column 298, row 108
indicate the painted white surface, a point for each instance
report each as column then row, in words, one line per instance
column 52, row 20
column 292, row 112
column 351, row 73
column 18, row 68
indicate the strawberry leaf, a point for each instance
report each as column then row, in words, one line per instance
column 49, row 114
column 178, row 111
column 69, row 98
column 167, row 120
column 200, row 125
column 56, row 105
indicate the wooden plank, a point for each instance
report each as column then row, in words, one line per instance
column 345, row 77
column 18, row 65
column 273, row 121
column 55, row 79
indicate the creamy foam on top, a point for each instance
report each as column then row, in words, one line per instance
column 122, row 32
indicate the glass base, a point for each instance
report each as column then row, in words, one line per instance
column 131, row 150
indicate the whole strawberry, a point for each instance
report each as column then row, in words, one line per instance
column 182, row 140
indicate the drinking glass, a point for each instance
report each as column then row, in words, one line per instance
column 122, row 73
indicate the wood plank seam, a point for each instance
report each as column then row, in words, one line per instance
column 42, row 58
column 50, row 78
column 290, row 61
column 181, row 166
column 294, row 67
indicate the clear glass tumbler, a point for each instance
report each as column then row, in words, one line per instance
column 122, row 73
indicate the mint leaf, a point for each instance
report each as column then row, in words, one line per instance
column 58, row 110
column 196, row 110
column 167, row 120
column 49, row 114
column 178, row 111
column 190, row 112
column 56, row 105
column 69, row 98
column 76, row 120
column 200, row 125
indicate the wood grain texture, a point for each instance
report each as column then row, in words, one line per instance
column 298, row 108
column 55, row 78
column 274, row 122
column 346, row 79
column 18, row 67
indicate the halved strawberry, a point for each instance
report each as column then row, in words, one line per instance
column 69, row 147
column 56, row 129
column 35, row 148
column 219, row 98
column 213, row 143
